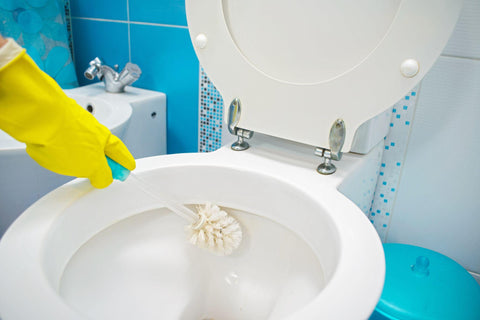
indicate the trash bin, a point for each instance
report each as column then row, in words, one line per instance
column 424, row 284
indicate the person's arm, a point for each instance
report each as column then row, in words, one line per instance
column 2, row 41
column 60, row 135
column 9, row 49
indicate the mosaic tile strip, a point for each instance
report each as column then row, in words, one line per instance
column 68, row 24
column 211, row 115
column 396, row 143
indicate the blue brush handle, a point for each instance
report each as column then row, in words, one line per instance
column 119, row 172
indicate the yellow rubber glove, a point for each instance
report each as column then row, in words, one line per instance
column 60, row 135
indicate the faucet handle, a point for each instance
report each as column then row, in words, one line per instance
column 129, row 74
column 133, row 70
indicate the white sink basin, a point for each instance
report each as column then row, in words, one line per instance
column 113, row 116
column 7, row 143
column 112, row 113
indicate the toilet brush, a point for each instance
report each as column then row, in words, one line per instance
column 210, row 228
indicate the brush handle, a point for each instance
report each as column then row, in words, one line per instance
column 174, row 206
column 119, row 172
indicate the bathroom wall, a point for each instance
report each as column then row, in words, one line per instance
column 154, row 35
column 39, row 26
column 428, row 191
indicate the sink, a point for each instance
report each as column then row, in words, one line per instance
column 112, row 113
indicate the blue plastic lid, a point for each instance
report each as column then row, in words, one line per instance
column 424, row 284
column 119, row 172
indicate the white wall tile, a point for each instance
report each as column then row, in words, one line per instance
column 438, row 199
column 465, row 39
column 392, row 162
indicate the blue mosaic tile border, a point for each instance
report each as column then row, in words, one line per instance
column 211, row 115
column 68, row 24
column 396, row 143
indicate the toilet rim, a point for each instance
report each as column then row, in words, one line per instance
column 31, row 229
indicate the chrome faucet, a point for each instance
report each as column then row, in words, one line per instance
column 114, row 81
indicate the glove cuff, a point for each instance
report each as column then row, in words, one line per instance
column 9, row 51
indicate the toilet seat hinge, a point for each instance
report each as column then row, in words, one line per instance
column 336, row 140
column 234, row 112
column 241, row 134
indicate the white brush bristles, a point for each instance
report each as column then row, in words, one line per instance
column 215, row 231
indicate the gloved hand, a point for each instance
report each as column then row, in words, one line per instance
column 60, row 135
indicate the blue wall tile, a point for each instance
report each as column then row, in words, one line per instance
column 107, row 40
column 158, row 11
column 41, row 28
column 169, row 65
column 104, row 9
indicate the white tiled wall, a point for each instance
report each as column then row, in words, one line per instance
column 437, row 205
column 465, row 40
column 392, row 163
column 438, row 200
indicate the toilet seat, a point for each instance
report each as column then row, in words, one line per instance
column 301, row 105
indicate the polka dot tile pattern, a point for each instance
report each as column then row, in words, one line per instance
column 40, row 27
column 392, row 161
column 211, row 115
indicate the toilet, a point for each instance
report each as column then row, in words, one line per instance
column 307, row 89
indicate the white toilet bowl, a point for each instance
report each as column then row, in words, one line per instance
column 308, row 251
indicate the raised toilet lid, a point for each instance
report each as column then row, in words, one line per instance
column 297, row 66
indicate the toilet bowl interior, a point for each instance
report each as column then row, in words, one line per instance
column 147, row 270
column 122, row 238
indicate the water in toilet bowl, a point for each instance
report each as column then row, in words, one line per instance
column 142, row 268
